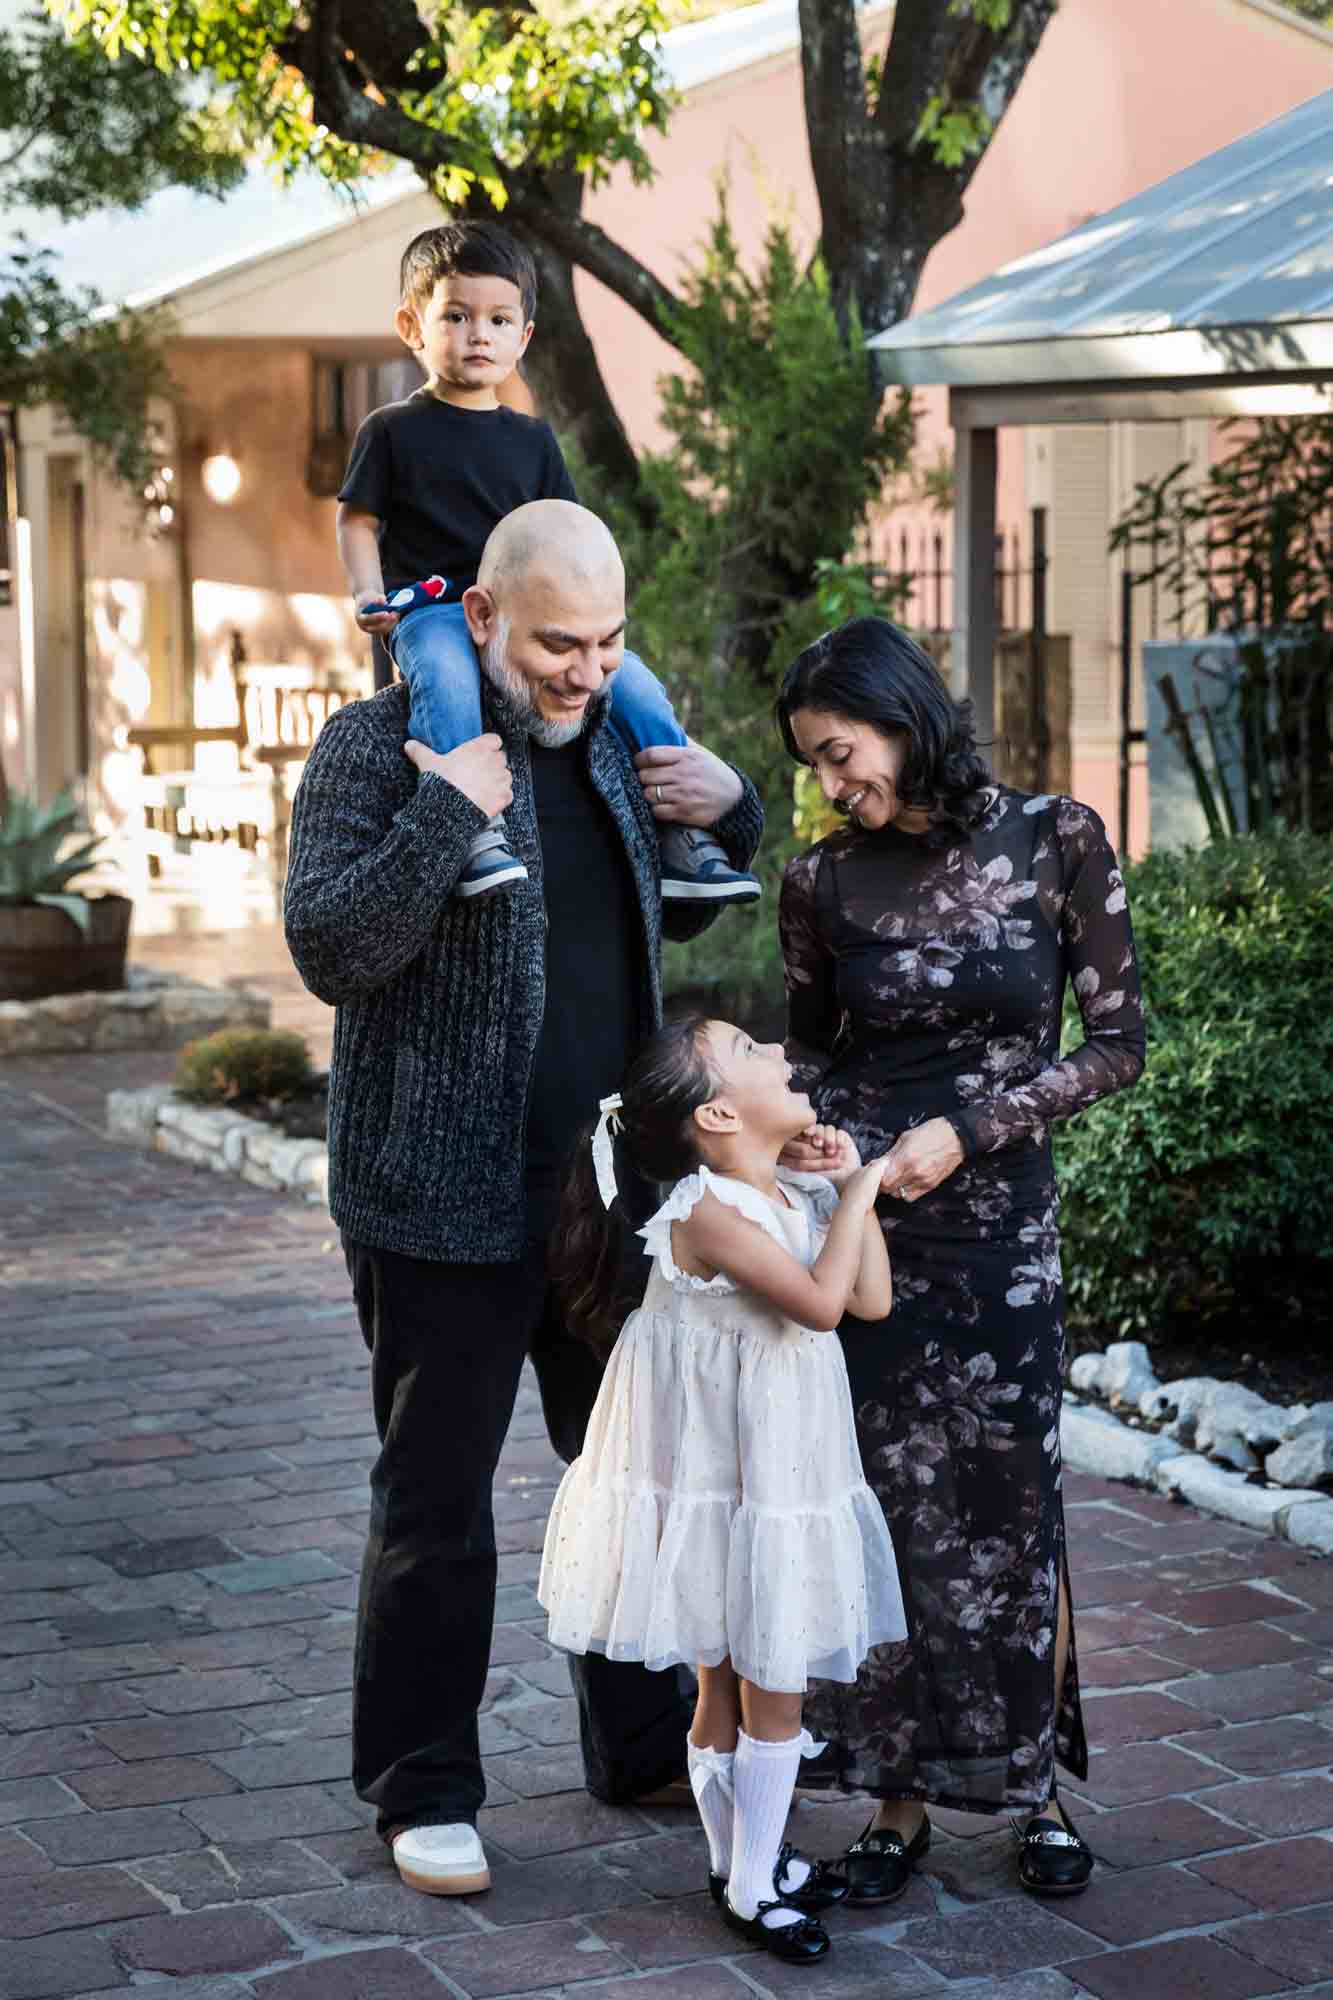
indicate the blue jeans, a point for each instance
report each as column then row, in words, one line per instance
column 433, row 651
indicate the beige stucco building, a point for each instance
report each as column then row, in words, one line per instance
column 282, row 306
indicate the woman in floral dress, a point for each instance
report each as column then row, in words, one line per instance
column 927, row 945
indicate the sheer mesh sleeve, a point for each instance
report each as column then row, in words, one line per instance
column 813, row 1015
column 1097, row 944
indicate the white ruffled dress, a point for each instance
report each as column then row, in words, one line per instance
column 719, row 1508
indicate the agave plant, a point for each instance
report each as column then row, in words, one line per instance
column 34, row 864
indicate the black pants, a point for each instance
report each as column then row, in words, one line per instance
column 447, row 1343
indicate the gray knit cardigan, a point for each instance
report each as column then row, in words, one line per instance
column 440, row 1001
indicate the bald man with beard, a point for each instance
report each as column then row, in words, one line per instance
column 472, row 1043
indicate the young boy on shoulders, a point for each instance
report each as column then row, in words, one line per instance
column 427, row 481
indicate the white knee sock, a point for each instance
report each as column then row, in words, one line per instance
column 711, row 1782
column 764, row 1776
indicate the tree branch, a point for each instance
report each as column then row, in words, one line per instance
column 318, row 50
column 584, row 243
column 935, row 53
column 533, row 207
column 384, row 36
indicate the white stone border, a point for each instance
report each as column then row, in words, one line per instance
column 1094, row 1440
column 153, row 1010
column 227, row 1142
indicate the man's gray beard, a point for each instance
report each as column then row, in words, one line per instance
column 516, row 688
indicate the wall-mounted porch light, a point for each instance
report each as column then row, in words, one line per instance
column 221, row 477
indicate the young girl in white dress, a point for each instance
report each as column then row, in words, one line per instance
column 718, row 1515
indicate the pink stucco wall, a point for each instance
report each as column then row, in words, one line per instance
column 1120, row 94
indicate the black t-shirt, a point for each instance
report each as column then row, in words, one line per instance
column 594, row 955
column 439, row 478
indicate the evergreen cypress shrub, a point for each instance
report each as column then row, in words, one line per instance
column 1209, row 1185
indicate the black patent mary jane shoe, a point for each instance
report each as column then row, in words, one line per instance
column 1053, row 1859
column 823, row 1888
column 799, row 1943
column 880, row 1865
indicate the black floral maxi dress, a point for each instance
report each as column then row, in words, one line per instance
column 926, row 980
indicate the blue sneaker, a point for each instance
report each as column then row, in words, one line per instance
column 491, row 863
column 695, row 869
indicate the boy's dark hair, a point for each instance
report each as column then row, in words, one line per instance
column 590, row 1259
column 872, row 671
column 466, row 250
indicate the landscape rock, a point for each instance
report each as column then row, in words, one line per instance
column 1237, row 1435
column 1236, row 1426
column 1094, row 1441
column 261, row 1143
column 1128, row 1375
column 1086, row 1372
column 69, row 1008
column 20, row 1028
column 1190, row 1477
column 133, row 1114
column 290, row 1156
column 1309, row 1523
column 199, row 1122
column 1305, row 1458
column 311, row 1175
column 1183, row 1403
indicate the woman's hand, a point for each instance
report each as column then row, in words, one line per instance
column 821, row 1149
column 921, row 1159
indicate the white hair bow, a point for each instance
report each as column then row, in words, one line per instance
column 603, row 1153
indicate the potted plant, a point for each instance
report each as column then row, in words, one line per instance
column 54, row 939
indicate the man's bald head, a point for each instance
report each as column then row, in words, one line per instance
column 547, row 615
column 549, row 538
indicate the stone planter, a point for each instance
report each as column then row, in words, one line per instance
column 153, row 1010
column 225, row 1141
column 43, row 951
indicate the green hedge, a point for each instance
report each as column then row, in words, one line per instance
column 1210, row 1184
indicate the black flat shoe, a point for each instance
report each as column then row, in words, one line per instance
column 1053, row 1860
column 800, row 1943
column 879, row 1866
column 822, row 1889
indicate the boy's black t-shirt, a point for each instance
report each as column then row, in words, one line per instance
column 439, row 478
column 594, row 955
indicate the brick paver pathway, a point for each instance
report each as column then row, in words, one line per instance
column 183, row 1423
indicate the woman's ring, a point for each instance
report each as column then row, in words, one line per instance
column 658, row 790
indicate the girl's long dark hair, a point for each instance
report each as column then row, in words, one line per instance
column 593, row 1260
column 872, row 671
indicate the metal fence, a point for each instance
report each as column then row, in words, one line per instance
column 916, row 563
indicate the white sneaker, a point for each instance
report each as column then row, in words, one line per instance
column 442, row 1860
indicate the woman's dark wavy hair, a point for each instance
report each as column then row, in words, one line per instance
column 872, row 671
column 594, row 1262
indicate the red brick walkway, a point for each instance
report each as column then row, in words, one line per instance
column 184, row 1431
